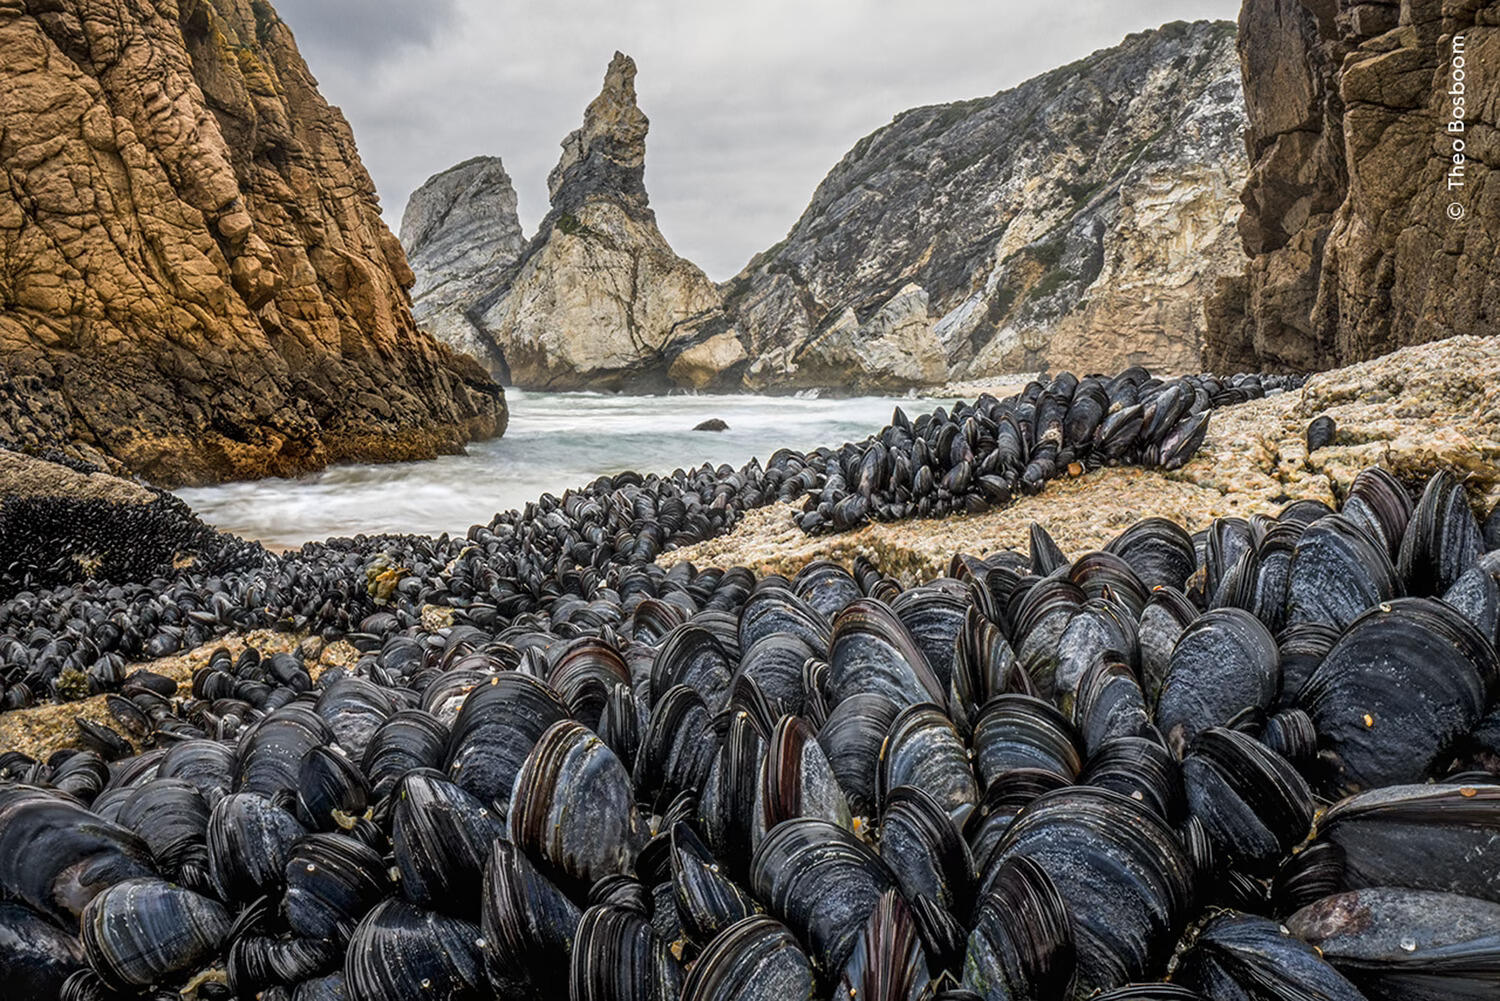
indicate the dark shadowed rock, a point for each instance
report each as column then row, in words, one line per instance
column 712, row 424
column 1346, row 217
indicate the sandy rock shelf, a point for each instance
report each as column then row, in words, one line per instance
column 1415, row 411
column 42, row 729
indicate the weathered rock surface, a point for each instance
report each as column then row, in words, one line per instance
column 1077, row 220
column 597, row 299
column 62, row 522
column 1353, row 251
column 195, row 283
column 1424, row 408
column 461, row 233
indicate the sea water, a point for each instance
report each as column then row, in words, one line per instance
column 555, row 441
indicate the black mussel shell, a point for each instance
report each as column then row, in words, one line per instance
column 755, row 959
column 1241, row 956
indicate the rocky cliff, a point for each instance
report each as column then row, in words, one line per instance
column 1370, row 221
column 597, row 299
column 1076, row 220
column 460, row 232
column 195, row 283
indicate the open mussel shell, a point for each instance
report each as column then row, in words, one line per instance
column 1249, row 957
column 332, row 881
column 755, row 959
column 924, row 849
column 55, row 855
column 618, row 957
column 143, row 930
column 1337, row 571
column 1400, row 688
column 1424, row 837
column 1022, row 944
column 1252, row 802
column 36, row 956
column 400, row 952
column 872, row 651
column 331, row 790
column 1442, row 539
column 1407, row 945
column 573, row 808
column 888, row 963
column 851, row 739
column 924, row 750
column 1224, row 663
column 797, row 781
column 823, row 882
column 1125, row 880
column 528, row 925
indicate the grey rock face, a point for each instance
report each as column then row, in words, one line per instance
column 1076, row 220
column 461, row 233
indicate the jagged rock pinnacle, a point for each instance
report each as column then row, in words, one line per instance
column 606, row 157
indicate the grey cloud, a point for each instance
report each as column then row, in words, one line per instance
column 750, row 103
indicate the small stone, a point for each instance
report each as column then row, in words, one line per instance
column 712, row 424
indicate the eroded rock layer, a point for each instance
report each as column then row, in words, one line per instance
column 1364, row 233
column 195, row 283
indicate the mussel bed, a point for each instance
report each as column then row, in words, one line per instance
column 1258, row 761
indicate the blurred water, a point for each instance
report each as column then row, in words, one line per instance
column 555, row 441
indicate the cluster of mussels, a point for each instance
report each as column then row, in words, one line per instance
column 64, row 637
column 984, row 454
column 1256, row 763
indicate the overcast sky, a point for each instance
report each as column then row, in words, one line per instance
column 751, row 101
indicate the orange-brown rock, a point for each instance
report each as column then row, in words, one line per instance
column 1364, row 232
column 195, row 282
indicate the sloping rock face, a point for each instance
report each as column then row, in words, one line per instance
column 460, row 232
column 195, row 283
column 598, row 300
column 1077, row 220
column 64, row 522
column 1364, row 232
